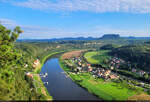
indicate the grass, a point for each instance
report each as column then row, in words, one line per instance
column 105, row 90
column 41, row 88
column 97, row 57
column 89, row 57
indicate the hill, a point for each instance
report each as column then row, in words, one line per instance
column 138, row 55
column 110, row 36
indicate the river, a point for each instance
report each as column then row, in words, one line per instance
column 60, row 86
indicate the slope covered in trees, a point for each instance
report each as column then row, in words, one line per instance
column 138, row 55
column 14, row 84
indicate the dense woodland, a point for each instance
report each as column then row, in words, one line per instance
column 138, row 55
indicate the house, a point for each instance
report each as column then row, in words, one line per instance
column 29, row 75
column 88, row 64
column 133, row 70
column 35, row 63
column 141, row 72
column 90, row 69
column 113, row 76
column 83, row 65
column 26, row 65
column 117, row 61
column 107, row 72
column 79, row 69
column 79, row 63
column 111, row 67
column 100, row 73
column 34, row 66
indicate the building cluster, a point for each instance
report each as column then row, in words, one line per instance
column 116, row 62
column 36, row 63
column 140, row 72
column 95, row 71
column 25, row 65
column 104, row 73
column 29, row 75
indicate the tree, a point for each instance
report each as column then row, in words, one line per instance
column 8, row 55
column 13, row 84
column 146, row 75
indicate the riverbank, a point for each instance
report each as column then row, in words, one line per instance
column 106, row 90
column 41, row 89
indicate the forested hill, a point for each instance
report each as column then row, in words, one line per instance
column 138, row 55
column 14, row 84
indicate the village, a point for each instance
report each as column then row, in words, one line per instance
column 105, row 73
column 78, row 65
column 116, row 62
column 99, row 72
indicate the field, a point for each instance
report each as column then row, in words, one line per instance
column 97, row 57
column 105, row 90
column 71, row 54
column 140, row 97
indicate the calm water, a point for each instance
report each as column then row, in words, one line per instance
column 60, row 86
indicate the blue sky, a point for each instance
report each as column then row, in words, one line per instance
column 75, row 18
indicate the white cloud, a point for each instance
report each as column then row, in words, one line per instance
column 40, row 32
column 98, row 6
column 7, row 22
column 37, row 32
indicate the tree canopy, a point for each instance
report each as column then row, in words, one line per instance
column 14, row 85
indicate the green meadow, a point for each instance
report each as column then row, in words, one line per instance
column 97, row 57
column 105, row 90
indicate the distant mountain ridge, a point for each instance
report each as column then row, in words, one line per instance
column 57, row 39
column 104, row 37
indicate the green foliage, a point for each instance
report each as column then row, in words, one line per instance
column 108, row 47
column 98, row 57
column 138, row 55
column 146, row 76
column 13, row 83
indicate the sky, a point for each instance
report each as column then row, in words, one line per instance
column 46, row 19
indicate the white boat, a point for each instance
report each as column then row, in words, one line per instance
column 46, row 83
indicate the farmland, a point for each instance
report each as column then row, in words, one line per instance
column 71, row 54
